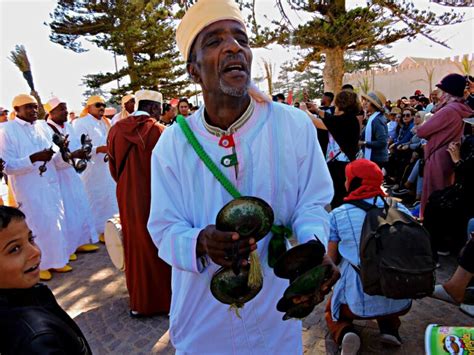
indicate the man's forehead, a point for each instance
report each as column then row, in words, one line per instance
column 220, row 27
column 61, row 106
column 29, row 105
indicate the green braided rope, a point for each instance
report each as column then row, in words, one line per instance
column 277, row 244
column 215, row 170
column 205, row 158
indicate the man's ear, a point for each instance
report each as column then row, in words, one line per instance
column 193, row 72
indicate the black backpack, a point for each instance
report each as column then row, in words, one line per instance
column 396, row 259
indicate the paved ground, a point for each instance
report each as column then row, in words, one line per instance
column 94, row 294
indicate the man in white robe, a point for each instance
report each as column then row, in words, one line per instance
column 128, row 106
column 80, row 228
column 100, row 186
column 24, row 145
column 266, row 150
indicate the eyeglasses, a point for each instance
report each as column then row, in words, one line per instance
column 407, row 115
column 99, row 105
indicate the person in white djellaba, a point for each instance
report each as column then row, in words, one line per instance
column 80, row 228
column 266, row 150
column 100, row 186
column 25, row 144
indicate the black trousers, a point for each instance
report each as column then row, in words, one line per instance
column 447, row 227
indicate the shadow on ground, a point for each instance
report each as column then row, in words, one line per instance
column 110, row 330
column 95, row 295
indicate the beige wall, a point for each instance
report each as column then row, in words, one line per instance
column 406, row 78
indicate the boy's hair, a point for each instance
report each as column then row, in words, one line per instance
column 7, row 214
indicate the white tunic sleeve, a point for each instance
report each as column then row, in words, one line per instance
column 315, row 189
column 171, row 232
column 14, row 164
column 83, row 126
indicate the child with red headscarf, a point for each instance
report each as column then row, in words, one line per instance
column 348, row 302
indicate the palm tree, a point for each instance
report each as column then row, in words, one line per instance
column 465, row 66
column 364, row 85
column 429, row 75
column 268, row 67
column 20, row 59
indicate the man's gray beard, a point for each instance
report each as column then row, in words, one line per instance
column 235, row 92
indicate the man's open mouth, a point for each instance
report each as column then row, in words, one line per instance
column 235, row 67
column 32, row 269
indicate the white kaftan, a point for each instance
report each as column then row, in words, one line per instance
column 280, row 161
column 39, row 197
column 80, row 228
column 100, row 186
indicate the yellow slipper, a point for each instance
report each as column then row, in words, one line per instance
column 73, row 257
column 45, row 275
column 102, row 238
column 87, row 248
column 65, row 268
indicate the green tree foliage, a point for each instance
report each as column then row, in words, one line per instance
column 307, row 84
column 333, row 30
column 140, row 30
column 369, row 58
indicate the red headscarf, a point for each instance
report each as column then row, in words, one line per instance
column 371, row 176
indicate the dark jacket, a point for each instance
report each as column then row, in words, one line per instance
column 32, row 322
column 405, row 134
column 379, row 140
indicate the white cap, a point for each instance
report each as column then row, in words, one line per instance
column 149, row 95
column 52, row 104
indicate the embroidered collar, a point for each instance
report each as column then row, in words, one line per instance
column 234, row 127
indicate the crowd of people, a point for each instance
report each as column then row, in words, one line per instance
column 143, row 168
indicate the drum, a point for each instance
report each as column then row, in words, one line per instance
column 114, row 242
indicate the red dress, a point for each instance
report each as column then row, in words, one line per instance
column 130, row 144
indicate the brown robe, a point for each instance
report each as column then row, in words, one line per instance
column 130, row 144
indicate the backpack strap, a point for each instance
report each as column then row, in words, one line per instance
column 362, row 204
column 366, row 207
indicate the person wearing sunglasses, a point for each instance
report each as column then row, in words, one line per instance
column 100, row 186
column 398, row 156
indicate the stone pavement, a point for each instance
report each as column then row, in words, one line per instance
column 94, row 294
